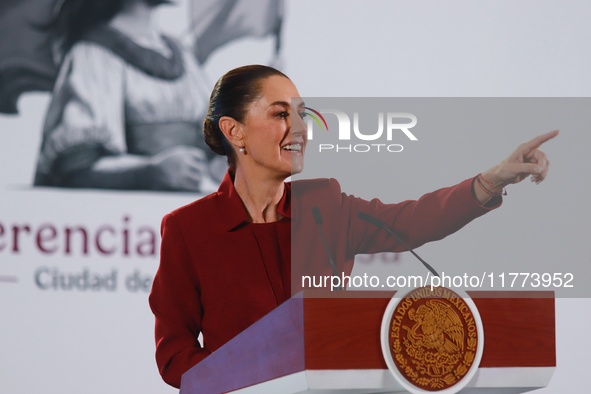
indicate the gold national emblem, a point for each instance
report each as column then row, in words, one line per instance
column 433, row 338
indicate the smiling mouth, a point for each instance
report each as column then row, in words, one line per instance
column 292, row 147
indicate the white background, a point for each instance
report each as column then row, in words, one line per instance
column 72, row 342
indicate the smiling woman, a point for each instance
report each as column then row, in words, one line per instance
column 227, row 259
column 234, row 125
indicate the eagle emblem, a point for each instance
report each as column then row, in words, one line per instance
column 437, row 326
column 433, row 339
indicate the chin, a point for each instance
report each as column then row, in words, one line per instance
column 297, row 165
column 297, row 169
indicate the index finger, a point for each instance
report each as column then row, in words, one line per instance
column 539, row 140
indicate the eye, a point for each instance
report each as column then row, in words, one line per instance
column 303, row 115
column 283, row 115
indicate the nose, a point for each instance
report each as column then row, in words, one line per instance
column 298, row 126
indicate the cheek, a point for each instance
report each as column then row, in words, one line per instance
column 266, row 137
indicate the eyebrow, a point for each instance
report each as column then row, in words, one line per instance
column 286, row 104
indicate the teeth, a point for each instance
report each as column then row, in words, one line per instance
column 293, row 147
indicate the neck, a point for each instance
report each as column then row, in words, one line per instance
column 135, row 20
column 260, row 195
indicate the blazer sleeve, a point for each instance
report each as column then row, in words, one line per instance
column 176, row 303
column 432, row 217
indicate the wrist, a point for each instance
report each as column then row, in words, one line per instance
column 492, row 180
column 489, row 187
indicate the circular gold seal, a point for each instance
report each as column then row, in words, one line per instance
column 433, row 339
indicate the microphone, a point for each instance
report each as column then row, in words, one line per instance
column 378, row 223
column 318, row 221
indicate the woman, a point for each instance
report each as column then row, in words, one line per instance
column 227, row 259
column 127, row 103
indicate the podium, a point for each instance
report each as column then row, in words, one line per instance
column 312, row 344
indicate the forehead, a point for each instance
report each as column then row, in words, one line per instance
column 278, row 89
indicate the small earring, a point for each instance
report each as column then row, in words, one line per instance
column 242, row 150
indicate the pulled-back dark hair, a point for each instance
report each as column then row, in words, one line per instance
column 231, row 96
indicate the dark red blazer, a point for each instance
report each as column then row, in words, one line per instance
column 212, row 278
